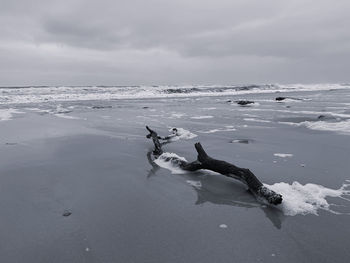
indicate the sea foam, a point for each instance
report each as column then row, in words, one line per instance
column 10, row 95
column 202, row 117
column 308, row 198
column 283, row 155
column 182, row 134
column 342, row 127
column 227, row 128
column 298, row 199
column 171, row 161
column 7, row 114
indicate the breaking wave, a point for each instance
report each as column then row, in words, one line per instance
column 10, row 95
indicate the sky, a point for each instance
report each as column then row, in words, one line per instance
column 163, row 42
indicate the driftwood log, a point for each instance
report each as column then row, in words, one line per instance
column 204, row 161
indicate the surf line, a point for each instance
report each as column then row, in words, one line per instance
column 204, row 161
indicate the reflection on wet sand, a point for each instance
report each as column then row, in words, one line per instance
column 215, row 189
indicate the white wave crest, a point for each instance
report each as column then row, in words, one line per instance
column 9, row 95
column 308, row 198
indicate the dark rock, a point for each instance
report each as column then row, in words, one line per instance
column 244, row 102
column 325, row 117
column 245, row 141
column 63, row 111
column 101, row 107
column 280, row 98
column 67, row 213
column 145, row 107
column 11, row 143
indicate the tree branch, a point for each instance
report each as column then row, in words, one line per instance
column 204, row 161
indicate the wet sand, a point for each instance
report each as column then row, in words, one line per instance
column 96, row 165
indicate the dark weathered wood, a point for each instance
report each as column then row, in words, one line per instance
column 204, row 161
column 157, row 145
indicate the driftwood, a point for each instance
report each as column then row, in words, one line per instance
column 206, row 162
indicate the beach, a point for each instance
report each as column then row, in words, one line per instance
column 78, row 182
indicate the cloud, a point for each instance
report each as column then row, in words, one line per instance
column 160, row 41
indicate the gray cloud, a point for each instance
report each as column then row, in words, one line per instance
column 173, row 42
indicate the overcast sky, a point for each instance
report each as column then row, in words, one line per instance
column 132, row 42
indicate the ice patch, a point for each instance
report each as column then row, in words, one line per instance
column 171, row 162
column 283, row 155
column 223, row 226
column 308, row 198
column 202, row 117
column 6, row 114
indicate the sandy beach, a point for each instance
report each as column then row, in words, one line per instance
column 90, row 160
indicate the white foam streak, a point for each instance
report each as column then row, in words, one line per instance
column 256, row 120
column 283, row 155
column 227, row 128
column 202, row 117
column 177, row 115
column 195, row 184
column 62, row 115
column 308, row 198
column 342, row 127
column 7, row 114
